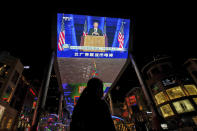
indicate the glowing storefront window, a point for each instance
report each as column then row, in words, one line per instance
column 9, row 124
column 3, row 122
column 166, row 110
column 183, row 106
column 2, row 109
column 195, row 100
column 175, row 92
column 19, row 124
column 160, row 98
column 4, row 70
column 191, row 89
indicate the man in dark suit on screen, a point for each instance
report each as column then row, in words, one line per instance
column 95, row 31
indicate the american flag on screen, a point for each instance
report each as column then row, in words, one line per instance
column 121, row 36
column 85, row 28
column 61, row 36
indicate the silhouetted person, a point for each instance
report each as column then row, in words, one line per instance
column 91, row 113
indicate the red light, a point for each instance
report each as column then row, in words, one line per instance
column 125, row 114
column 4, row 99
column 131, row 100
column 32, row 92
column 132, row 97
column 34, row 105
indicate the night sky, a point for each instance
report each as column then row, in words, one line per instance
column 169, row 29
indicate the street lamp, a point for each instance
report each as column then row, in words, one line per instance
column 26, row 67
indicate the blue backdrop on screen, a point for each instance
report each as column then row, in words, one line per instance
column 73, row 26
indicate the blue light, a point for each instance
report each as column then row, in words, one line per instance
column 116, row 117
column 65, row 85
column 67, row 91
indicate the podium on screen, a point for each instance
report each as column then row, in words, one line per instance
column 94, row 41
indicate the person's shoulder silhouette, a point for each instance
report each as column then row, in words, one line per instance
column 91, row 113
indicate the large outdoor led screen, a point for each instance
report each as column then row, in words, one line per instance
column 90, row 46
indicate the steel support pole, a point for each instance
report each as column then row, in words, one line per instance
column 44, row 90
column 60, row 107
column 37, row 105
column 155, row 122
column 46, row 82
column 111, row 104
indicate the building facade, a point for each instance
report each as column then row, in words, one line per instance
column 10, row 71
column 139, row 112
column 173, row 92
column 191, row 66
column 25, row 101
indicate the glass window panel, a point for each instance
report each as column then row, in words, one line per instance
column 166, row 110
column 3, row 122
column 175, row 92
column 2, row 109
column 160, row 98
column 4, row 70
column 195, row 100
column 191, row 89
column 9, row 124
column 183, row 106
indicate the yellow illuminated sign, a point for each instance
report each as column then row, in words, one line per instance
column 195, row 100
column 183, row 106
column 160, row 98
column 166, row 110
column 191, row 89
column 175, row 92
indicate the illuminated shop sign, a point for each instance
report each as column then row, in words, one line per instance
column 175, row 92
column 161, row 98
column 166, row 110
column 191, row 89
column 131, row 100
column 183, row 106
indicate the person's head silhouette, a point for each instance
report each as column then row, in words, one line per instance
column 91, row 113
column 94, row 88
